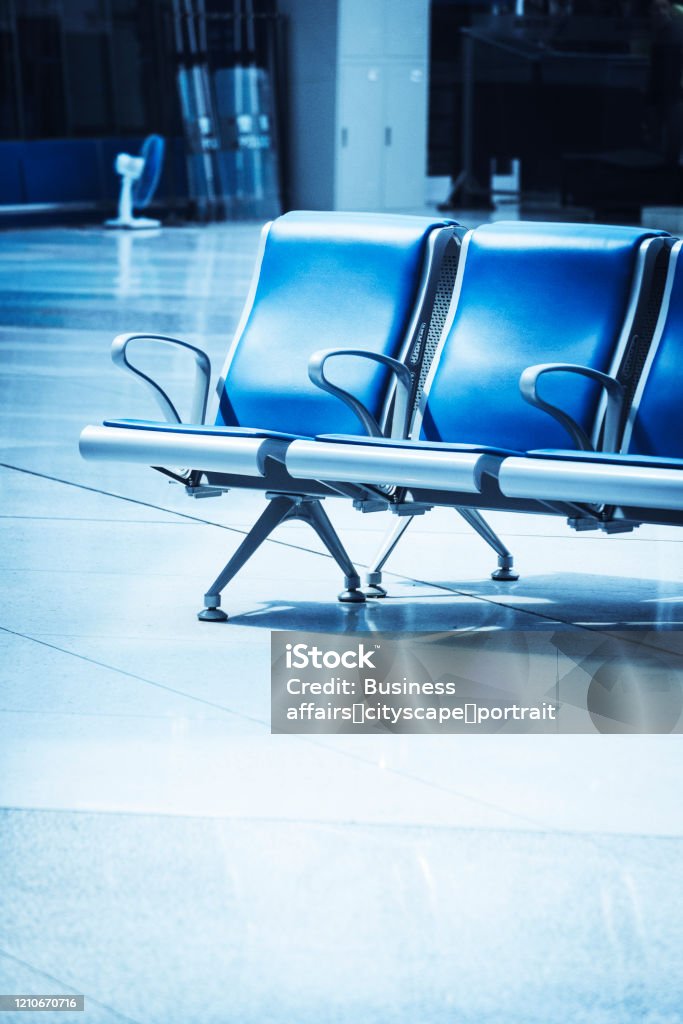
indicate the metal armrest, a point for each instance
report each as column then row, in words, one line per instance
column 404, row 379
column 528, row 384
column 202, row 376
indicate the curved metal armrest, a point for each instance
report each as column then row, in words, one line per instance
column 404, row 378
column 202, row 382
column 528, row 385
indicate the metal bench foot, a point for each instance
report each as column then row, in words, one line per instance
column 281, row 508
column 212, row 612
column 212, row 615
column 353, row 594
column 372, row 585
column 506, row 572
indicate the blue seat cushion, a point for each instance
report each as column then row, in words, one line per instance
column 327, row 280
column 531, row 293
column 607, row 458
column 190, row 428
column 431, row 446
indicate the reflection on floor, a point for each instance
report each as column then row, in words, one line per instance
column 160, row 851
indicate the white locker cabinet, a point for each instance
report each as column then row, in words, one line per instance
column 361, row 28
column 358, row 126
column 406, row 28
column 382, row 136
column 405, row 113
column 383, row 28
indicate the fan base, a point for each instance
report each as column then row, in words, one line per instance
column 135, row 223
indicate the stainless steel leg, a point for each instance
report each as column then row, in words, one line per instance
column 374, row 576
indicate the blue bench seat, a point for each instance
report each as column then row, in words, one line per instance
column 648, row 471
column 364, row 281
column 526, row 293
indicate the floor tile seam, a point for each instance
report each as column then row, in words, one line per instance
column 491, row 599
column 358, row 824
column 488, row 599
column 133, row 675
column 281, row 543
column 564, row 536
column 438, row 586
column 121, row 497
column 270, row 540
column 94, row 519
column 133, row 573
column 105, row 715
column 69, row 987
column 224, row 642
column 468, row 798
column 355, row 823
column 184, row 515
column 308, row 740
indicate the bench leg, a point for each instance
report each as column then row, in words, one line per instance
column 279, row 509
column 314, row 514
column 374, row 576
column 505, row 570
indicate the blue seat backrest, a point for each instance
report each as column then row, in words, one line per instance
column 531, row 293
column 327, row 280
column 658, row 425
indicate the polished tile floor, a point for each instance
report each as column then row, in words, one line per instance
column 160, row 852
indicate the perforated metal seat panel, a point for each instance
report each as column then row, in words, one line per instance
column 658, row 426
column 439, row 316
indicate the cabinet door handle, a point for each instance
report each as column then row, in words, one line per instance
column 344, row 137
column 387, row 136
